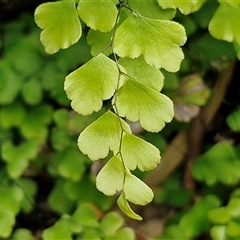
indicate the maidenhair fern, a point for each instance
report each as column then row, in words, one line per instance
column 128, row 47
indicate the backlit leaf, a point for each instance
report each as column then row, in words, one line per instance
column 101, row 136
column 186, row 6
column 98, row 15
column 137, row 102
column 60, row 23
column 138, row 153
column 92, row 83
column 124, row 206
column 228, row 17
column 158, row 41
column 137, row 191
column 111, row 177
column 145, row 74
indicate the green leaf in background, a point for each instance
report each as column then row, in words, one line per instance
column 219, row 164
column 233, row 120
column 60, row 23
column 145, row 74
column 151, row 9
column 219, row 215
column 228, row 17
column 158, row 41
column 123, row 233
column 10, row 201
column 136, row 191
column 124, row 206
column 101, row 136
column 22, row 233
column 211, row 51
column 138, row 153
column 24, row 57
column 35, row 123
column 17, row 157
column 233, row 208
column 185, row 7
column 233, row 229
column 85, row 215
column 60, row 230
column 32, row 91
column 173, row 232
column 110, row 179
column 111, row 222
column 173, row 192
column 226, row 220
column 10, row 83
column 12, row 115
column 138, row 102
column 195, row 221
column 92, row 83
column 218, row 232
column 29, row 188
column 75, row 190
column 7, row 221
column 58, row 192
column 71, row 164
column 100, row 15
column 237, row 49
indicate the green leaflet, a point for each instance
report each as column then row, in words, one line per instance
column 60, row 23
column 145, row 74
column 124, row 206
column 138, row 153
column 186, row 6
column 111, row 177
column 228, row 17
column 98, row 15
column 92, row 83
column 136, row 191
column 101, row 136
column 151, row 9
column 158, row 41
column 99, row 41
column 137, row 102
